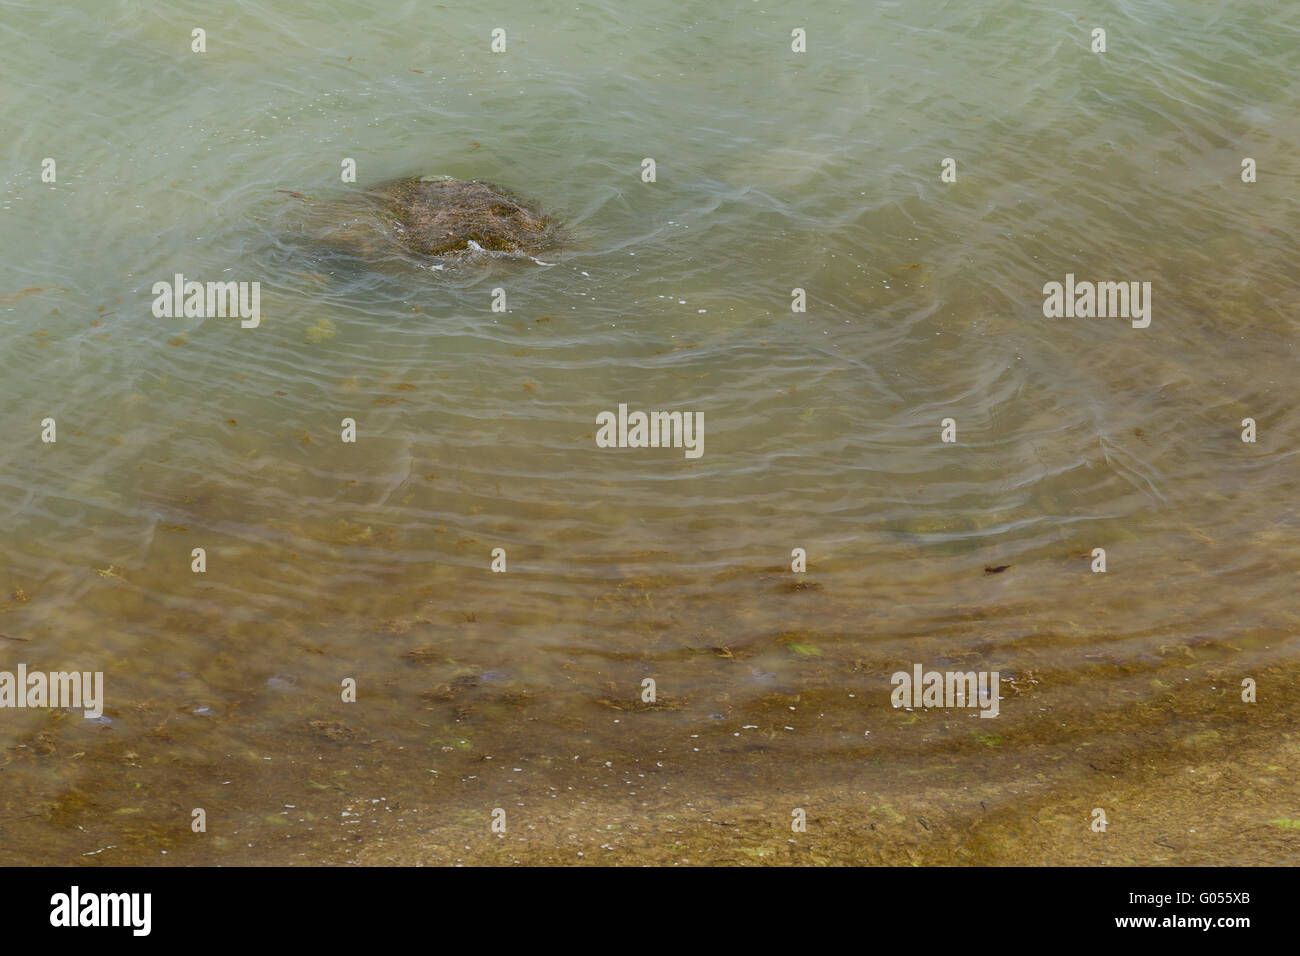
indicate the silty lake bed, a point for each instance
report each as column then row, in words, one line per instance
column 522, row 691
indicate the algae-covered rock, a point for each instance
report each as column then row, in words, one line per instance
column 428, row 218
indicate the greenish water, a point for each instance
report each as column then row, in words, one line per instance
column 775, row 170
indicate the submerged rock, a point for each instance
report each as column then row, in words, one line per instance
column 433, row 218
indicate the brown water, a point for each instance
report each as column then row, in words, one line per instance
column 522, row 690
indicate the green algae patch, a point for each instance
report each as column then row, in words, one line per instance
column 802, row 650
column 322, row 331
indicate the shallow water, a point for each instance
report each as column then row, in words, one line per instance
column 521, row 690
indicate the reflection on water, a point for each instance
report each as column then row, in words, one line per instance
column 479, row 690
